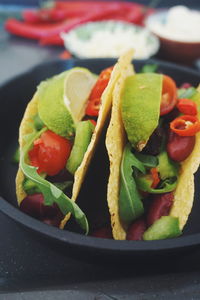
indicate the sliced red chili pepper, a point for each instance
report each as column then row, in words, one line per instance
column 187, row 107
column 185, row 125
column 93, row 107
column 101, row 84
column 95, row 95
column 155, row 176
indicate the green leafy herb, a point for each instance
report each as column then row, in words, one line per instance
column 50, row 192
column 167, row 168
column 149, row 161
column 144, row 184
column 149, row 68
column 63, row 185
column 186, row 93
column 130, row 204
column 30, row 187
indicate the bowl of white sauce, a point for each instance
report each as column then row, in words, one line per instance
column 178, row 29
column 110, row 39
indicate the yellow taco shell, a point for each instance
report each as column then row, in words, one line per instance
column 116, row 140
column 26, row 129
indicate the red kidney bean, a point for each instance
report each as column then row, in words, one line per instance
column 136, row 230
column 33, row 205
column 159, row 207
column 105, row 233
column 55, row 221
column 179, row 147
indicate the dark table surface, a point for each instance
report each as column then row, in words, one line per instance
column 33, row 269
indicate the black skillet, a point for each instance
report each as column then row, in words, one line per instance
column 14, row 96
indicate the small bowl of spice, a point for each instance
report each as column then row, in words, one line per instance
column 178, row 30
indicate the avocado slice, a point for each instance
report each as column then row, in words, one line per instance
column 83, row 135
column 51, row 108
column 164, row 228
column 166, row 167
column 141, row 98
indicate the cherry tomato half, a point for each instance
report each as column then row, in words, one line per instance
column 169, row 95
column 50, row 153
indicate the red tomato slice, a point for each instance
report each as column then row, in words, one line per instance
column 169, row 95
column 50, row 153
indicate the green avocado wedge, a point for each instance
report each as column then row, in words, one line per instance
column 84, row 130
column 51, row 108
column 141, row 98
column 63, row 98
column 164, row 228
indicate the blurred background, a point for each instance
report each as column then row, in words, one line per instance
column 34, row 31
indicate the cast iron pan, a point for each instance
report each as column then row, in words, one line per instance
column 14, row 96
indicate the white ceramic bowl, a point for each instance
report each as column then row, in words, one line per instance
column 110, row 39
column 172, row 48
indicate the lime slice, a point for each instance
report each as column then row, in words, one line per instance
column 63, row 98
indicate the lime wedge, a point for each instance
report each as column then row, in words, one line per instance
column 63, row 98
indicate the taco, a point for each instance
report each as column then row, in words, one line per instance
column 57, row 136
column 153, row 143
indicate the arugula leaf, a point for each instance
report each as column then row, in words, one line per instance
column 63, row 185
column 167, row 185
column 149, row 161
column 186, row 93
column 50, row 192
column 30, row 187
column 130, row 204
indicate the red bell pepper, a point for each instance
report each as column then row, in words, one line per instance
column 63, row 10
column 47, row 24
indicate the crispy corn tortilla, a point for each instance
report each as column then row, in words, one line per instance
column 116, row 140
column 184, row 194
column 115, row 143
column 26, row 128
